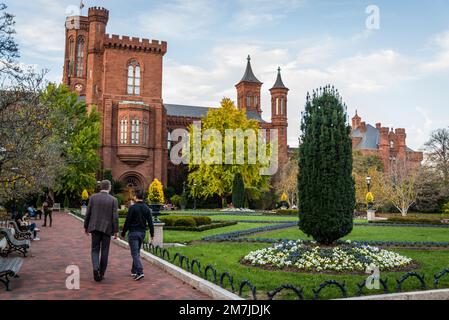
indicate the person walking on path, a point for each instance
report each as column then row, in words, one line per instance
column 137, row 219
column 48, row 211
column 101, row 222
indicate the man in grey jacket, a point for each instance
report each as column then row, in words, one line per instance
column 102, row 223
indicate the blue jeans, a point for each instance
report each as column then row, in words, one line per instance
column 135, row 240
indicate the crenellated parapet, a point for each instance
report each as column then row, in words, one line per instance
column 135, row 44
column 98, row 14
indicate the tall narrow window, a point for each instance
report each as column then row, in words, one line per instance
column 133, row 78
column 282, row 106
column 123, row 131
column 135, row 129
column 256, row 102
column 71, row 56
column 80, row 57
column 277, row 106
column 248, row 101
column 168, row 140
column 145, row 133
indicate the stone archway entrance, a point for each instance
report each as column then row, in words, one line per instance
column 132, row 181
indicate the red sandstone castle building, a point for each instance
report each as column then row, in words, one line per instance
column 388, row 144
column 122, row 76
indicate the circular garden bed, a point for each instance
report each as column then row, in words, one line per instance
column 349, row 257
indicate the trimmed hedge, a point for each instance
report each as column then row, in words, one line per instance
column 417, row 220
column 205, row 227
column 282, row 212
column 186, row 221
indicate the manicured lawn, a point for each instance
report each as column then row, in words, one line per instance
column 370, row 233
column 226, row 257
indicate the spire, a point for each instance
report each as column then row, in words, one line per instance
column 279, row 84
column 249, row 75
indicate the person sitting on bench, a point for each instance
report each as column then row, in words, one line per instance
column 33, row 213
column 24, row 225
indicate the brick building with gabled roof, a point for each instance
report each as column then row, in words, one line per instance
column 122, row 76
column 388, row 144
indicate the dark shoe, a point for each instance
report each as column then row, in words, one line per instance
column 139, row 276
column 97, row 276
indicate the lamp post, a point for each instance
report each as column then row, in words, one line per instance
column 368, row 183
column 194, row 196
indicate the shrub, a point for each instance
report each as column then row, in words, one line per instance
column 185, row 222
column 120, row 199
column 200, row 220
column 156, row 192
column 176, row 200
column 66, row 202
column 215, row 225
column 446, row 208
column 283, row 212
column 122, row 213
column 415, row 220
column 84, row 195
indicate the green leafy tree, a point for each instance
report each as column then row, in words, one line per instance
column 325, row 182
column 238, row 191
column 78, row 130
column 156, row 192
column 217, row 178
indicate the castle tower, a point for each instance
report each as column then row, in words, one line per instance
column 279, row 116
column 75, row 57
column 98, row 19
column 248, row 90
column 356, row 120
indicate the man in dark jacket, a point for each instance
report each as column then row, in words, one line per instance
column 139, row 215
column 101, row 222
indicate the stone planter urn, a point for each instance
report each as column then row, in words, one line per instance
column 371, row 215
column 156, row 210
column 83, row 209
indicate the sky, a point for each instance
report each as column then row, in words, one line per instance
column 393, row 70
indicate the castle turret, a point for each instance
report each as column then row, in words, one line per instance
column 248, row 90
column 279, row 115
column 98, row 19
column 75, row 57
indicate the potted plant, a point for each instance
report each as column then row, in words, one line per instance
column 156, row 198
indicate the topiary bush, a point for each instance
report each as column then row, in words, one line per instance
column 201, row 220
column 238, row 191
column 325, row 182
column 156, row 192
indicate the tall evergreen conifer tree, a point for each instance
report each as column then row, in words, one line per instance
column 325, row 182
column 238, row 191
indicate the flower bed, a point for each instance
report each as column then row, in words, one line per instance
column 349, row 257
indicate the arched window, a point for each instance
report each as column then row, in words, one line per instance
column 135, row 129
column 248, row 101
column 71, row 56
column 256, row 102
column 277, row 106
column 134, row 78
column 80, row 57
column 391, row 144
column 282, row 106
column 123, row 131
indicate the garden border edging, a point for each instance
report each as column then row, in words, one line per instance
column 442, row 294
column 202, row 285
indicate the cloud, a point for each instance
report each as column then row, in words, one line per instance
column 440, row 61
column 256, row 12
column 180, row 18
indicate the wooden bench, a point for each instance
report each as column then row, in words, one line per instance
column 56, row 207
column 21, row 246
column 9, row 268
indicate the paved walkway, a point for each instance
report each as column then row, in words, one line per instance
column 43, row 273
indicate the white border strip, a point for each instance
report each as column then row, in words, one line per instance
column 212, row 290
column 418, row 295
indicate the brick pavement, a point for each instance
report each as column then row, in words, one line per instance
column 43, row 276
